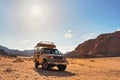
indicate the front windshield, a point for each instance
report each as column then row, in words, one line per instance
column 51, row 51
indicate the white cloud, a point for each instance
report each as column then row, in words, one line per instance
column 88, row 36
column 68, row 35
column 118, row 29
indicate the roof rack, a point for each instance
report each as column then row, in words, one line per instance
column 46, row 44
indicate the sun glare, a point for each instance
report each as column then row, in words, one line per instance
column 36, row 11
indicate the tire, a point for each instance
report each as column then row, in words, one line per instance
column 45, row 65
column 61, row 67
column 36, row 64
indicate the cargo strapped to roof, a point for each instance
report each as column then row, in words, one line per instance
column 46, row 44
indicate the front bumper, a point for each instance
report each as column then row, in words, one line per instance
column 57, row 63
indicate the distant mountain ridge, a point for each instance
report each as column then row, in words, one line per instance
column 3, row 53
column 105, row 45
column 17, row 52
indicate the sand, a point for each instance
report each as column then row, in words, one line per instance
column 78, row 69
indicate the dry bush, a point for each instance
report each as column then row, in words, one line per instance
column 92, row 60
column 27, row 59
column 31, row 58
column 18, row 60
column 81, row 64
column 8, row 70
column 9, row 57
column 71, row 62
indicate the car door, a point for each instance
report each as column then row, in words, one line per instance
column 41, row 57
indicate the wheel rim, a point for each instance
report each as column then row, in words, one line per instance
column 45, row 65
column 61, row 68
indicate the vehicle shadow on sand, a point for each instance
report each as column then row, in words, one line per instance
column 53, row 72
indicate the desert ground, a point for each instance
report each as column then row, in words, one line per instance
column 78, row 69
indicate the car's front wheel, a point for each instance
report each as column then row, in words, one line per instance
column 62, row 67
column 45, row 65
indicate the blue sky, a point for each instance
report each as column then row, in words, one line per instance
column 23, row 23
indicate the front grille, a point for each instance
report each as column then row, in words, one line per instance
column 58, row 58
column 58, row 61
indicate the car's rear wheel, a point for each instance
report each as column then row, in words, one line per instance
column 45, row 65
column 62, row 67
column 36, row 64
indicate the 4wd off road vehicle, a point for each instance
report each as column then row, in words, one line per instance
column 48, row 56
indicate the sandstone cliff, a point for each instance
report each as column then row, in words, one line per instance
column 104, row 45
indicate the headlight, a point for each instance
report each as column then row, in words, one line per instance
column 64, row 58
column 50, row 57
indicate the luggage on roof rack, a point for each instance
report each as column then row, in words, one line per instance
column 46, row 44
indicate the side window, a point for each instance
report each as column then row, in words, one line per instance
column 42, row 51
column 39, row 49
column 47, row 51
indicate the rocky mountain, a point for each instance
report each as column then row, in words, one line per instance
column 29, row 52
column 17, row 52
column 3, row 53
column 105, row 45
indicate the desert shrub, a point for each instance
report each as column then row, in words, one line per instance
column 92, row 60
column 81, row 64
column 8, row 70
column 27, row 59
column 18, row 60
